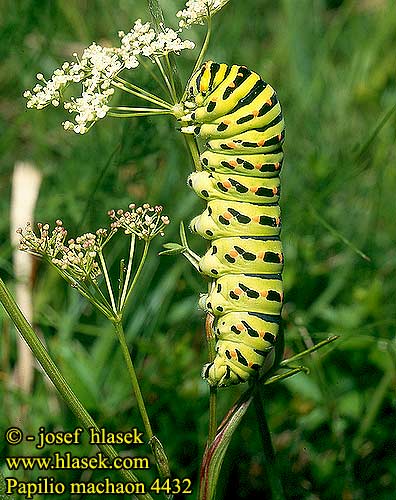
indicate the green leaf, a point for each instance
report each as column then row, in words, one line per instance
column 214, row 454
column 173, row 249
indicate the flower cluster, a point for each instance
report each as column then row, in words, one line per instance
column 198, row 11
column 143, row 40
column 77, row 258
column 145, row 221
column 46, row 244
column 97, row 72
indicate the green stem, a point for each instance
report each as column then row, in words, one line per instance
column 85, row 292
column 140, row 95
column 283, row 376
column 212, row 415
column 56, row 377
column 138, row 271
column 142, row 92
column 211, row 340
column 129, row 269
column 108, row 283
column 317, row 346
column 193, row 149
column 140, row 110
column 132, row 374
column 166, row 79
column 148, row 67
column 268, row 449
column 171, row 80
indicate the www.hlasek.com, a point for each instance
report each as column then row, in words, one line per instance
column 68, row 461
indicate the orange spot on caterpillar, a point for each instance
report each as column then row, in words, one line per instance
column 232, row 85
column 277, row 221
column 269, row 101
column 231, row 145
column 233, row 253
column 233, row 354
column 227, row 215
column 280, row 255
column 240, row 74
column 227, row 122
column 255, row 112
column 233, row 163
column 275, row 190
column 256, row 218
column 261, row 143
column 240, row 327
column 254, row 189
column 261, row 255
column 238, row 291
column 279, row 137
column 227, row 184
column 264, row 293
column 258, row 166
column 261, row 334
column 277, row 166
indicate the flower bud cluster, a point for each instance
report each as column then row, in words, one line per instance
column 48, row 243
column 145, row 221
column 198, row 11
column 79, row 257
column 76, row 257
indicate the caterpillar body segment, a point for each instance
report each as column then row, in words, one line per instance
column 265, row 140
column 238, row 120
column 224, row 218
column 252, row 165
column 247, row 338
column 212, row 185
column 242, row 254
column 241, row 292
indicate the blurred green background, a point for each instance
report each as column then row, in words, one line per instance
column 333, row 65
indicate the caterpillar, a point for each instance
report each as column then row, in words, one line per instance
column 238, row 122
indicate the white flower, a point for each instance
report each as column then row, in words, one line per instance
column 143, row 40
column 197, row 11
column 97, row 70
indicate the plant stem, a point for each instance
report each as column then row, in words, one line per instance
column 166, row 79
column 143, row 93
column 135, row 383
column 268, row 449
column 193, row 149
column 308, row 351
column 129, row 269
column 140, row 95
column 56, row 377
column 108, row 283
column 138, row 271
column 211, row 340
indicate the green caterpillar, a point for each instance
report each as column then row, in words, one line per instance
column 237, row 118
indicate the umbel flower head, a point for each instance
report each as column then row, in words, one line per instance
column 78, row 258
column 145, row 222
column 97, row 70
column 198, row 11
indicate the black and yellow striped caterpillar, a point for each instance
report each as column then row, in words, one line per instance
column 238, row 119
